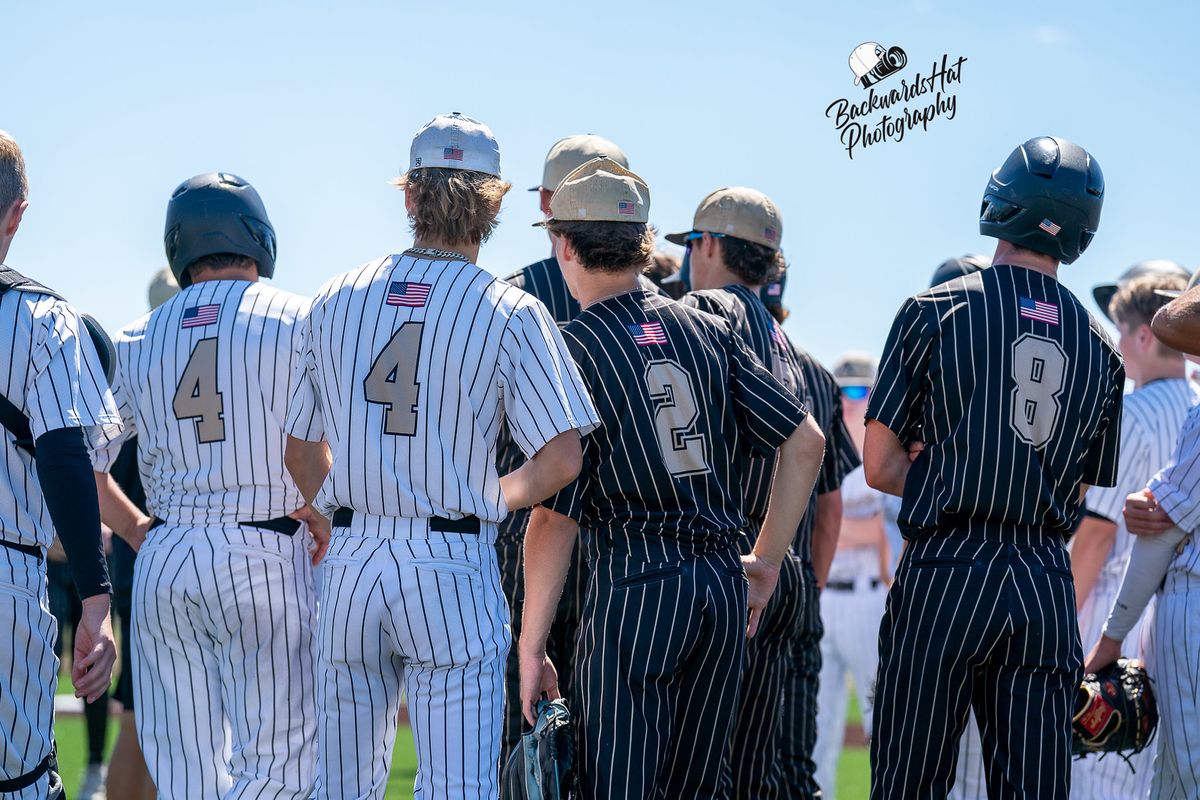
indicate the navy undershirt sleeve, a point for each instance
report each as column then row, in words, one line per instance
column 65, row 473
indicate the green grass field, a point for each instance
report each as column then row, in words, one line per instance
column 853, row 772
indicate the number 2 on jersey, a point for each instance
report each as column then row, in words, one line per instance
column 197, row 397
column 392, row 381
column 1040, row 370
column 675, row 416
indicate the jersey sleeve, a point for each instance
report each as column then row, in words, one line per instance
column 305, row 417
column 105, row 453
column 1177, row 487
column 767, row 413
column 66, row 386
column 543, row 392
column 1133, row 461
column 1101, row 462
column 899, row 393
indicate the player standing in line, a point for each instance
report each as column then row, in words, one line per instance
column 543, row 279
column 223, row 597
column 54, row 404
column 681, row 399
column 410, row 366
column 128, row 777
column 814, row 545
column 1153, row 415
column 732, row 251
column 1008, row 396
column 853, row 598
column 1165, row 517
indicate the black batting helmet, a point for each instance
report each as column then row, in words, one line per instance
column 959, row 267
column 1046, row 197
column 217, row 213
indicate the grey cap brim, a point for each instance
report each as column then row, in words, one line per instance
column 537, row 188
column 1169, row 293
column 678, row 238
column 1103, row 295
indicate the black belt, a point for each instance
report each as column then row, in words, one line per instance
column 29, row 778
column 469, row 524
column 848, row 586
column 285, row 525
column 27, row 549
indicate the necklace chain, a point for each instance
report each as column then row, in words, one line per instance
column 429, row 251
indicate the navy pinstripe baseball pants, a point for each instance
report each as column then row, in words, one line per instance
column 982, row 624
column 657, row 674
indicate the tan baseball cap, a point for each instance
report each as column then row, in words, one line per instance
column 570, row 153
column 739, row 212
column 600, row 191
column 163, row 287
column 856, row 368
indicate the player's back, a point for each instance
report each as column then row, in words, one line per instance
column 418, row 358
column 1017, row 385
column 669, row 384
column 46, row 345
column 207, row 377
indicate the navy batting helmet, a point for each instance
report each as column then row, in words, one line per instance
column 217, row 213
column 1046, row 197
column 953, row 268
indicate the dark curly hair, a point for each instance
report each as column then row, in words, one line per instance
column 607, row 246
column 756, row 264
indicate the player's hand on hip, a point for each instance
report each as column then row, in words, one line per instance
column 1105, row 652
column 763, row 577
column 1144, row 516
column 318, row 527
column 538, row 677
column 136, row 537
column 95, row 651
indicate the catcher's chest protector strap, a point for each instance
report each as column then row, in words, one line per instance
column 11, row 417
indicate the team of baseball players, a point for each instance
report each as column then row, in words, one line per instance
column 433, row 486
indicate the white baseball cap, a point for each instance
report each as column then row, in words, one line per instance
column 455, row 141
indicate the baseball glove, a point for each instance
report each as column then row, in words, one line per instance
column 1115, row 710
column 542, row 766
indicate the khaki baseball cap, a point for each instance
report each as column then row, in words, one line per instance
column 600, row 191
column 856, row 368
column 163, row 287
column 739, row 212
column 570, row 153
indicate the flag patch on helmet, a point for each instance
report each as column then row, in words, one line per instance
column 1049, row 227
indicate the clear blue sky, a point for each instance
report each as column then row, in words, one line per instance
column 315, row 103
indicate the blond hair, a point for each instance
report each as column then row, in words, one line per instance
column 1136, row 302
column 453, row 206
column 14, row 185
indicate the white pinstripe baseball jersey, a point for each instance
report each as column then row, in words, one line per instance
column 1177, row 489
column 209, row 417
column 52, row 374
column 409, row 365
column 1150, row 425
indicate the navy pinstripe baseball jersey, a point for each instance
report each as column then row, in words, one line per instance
column 1002, row 368
column 681, row 399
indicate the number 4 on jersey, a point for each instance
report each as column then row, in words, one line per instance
column 197, row 397
column 392, row 381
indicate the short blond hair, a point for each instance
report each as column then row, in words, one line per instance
column 453, row 206
column 1136, row 302
column 14, row 185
